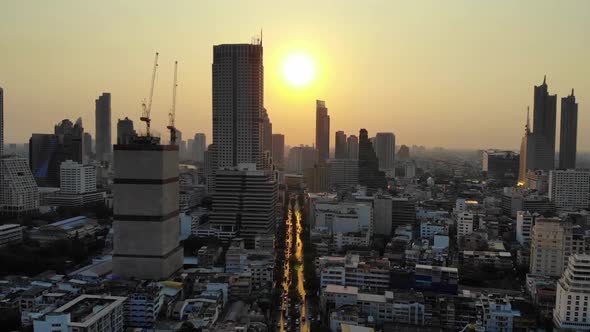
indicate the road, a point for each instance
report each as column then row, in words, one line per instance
column 293, row 308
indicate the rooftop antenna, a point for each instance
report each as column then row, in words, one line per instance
column 147, row 106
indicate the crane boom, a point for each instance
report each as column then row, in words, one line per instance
column 147, row 106
column 172, row 112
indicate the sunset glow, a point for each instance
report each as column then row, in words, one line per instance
column 299, row 69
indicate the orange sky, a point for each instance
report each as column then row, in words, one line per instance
column 436, row 73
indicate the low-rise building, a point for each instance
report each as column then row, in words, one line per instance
column 438, row 279
column 350, row 270
column 501, row 260
column 10, row 234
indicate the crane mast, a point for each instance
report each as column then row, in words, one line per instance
column 147, row 105
column 172, row 112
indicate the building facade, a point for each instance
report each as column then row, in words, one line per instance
column 569, row 189
column 572, row 312
column 341, row 147
column 19, row 193
column 322, row 131
column 568, row 135
column 385, row 150
column 103, row 127
column 125, row 131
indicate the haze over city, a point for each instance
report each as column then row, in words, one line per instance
column 456, row 74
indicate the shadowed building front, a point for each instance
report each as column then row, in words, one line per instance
column 146, row 224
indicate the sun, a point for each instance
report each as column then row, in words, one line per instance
column 299, row 69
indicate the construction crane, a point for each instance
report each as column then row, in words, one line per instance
column 172, row 112
column 147, row 105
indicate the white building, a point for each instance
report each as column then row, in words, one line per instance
column 467, row 222
column 428, row 229
column 496, row 314
column 76, row 178
column 10, row 234
column 86, row 313
column 570, row 189
column 572, row 311
column 350, row 270
column 344, row 217
column 551, row 245
column 18, row 190
column 524, row 224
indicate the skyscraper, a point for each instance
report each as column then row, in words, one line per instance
column 573, row 289
column 353, row 147
column 266, row 131
column 199, row 147
column 527, row 144
column 1, row 122
column 385, row 150
column 103, row 127
column 369, row 174
column 238, row 100
column 341, row 149
column 322, row 131
column 544, row 124
column 125, row 132
column 88, row 145
column 568, row 135
column 146, row 225
column 568, row 189
column 278, row 149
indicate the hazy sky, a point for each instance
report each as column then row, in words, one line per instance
column 436, row 73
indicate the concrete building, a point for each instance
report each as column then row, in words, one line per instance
column 125, row 131
column 544, row 126
column 103, row 127
column 350, row 270
column 244, row 202
column 515, row 199
column 551, row 245
column 76, row 178
column 352, row 143
column 524, row 225
column 537, row 181
column 86, row 313
column 18, row 190
column 570, row 189
column 499, row 164
column 430, row 228
column 382, row 215
column 88, row 150
column 10, row 234
column 238, row 101
column 403, row 211
column 341, row 147
column 369, row 174
column 496, row 313
column 385, row 150
column 436, row 278
column 343, row 173
column 322, row 131
column 278, row 149
column 317, row 178
column 568, row 134
column 343, row 217
column 301, row 158
column 573, row 294
column 199, row 147
column 146, row 224
column 467, row 222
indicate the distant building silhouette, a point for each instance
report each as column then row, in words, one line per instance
column 385, row 150
column 88, row 152
column 266, row 131
column 322, row 131
column 403, row 153
column 1, row 122
column 353, row 147
column 369, row 174
column 341, row 150
column 199, row 147
column 278, row 149
column 526, row 152
column 103, row 127
column 544, row 124
column 568, row 135
column 125, row 131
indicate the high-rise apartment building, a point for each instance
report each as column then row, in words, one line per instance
column 322, row 131
column 238, row 100
column 199, row 147
column 551, row 245
column 278, row 149
column 369, row 174
column 352, row 143
column 76, row 178
column 570, row 189
column 103, row 127
column 572, row 312
column 244, row 202
column 385, row 150
column 341, row 148
column 146, row 224
column 18, row 190
column 568, row 135
column 544, row 125
column 125, row 131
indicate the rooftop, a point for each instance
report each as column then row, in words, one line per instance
column 86, row 309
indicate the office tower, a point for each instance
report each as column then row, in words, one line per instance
column 569, row 189
column 544, row 124
column 125, row 132
column 77, row 178
column 369, row 174
column 103, row 127
column 146, row 224
column 244, row 202
column 344, row 173
column 238, row 99
column 322, row 131
column 341, row 148
column 383, row 214
column 353, row 147
column 18, row 191
column 572, row 312
column 568, row 135
column 551, row 245
column 1, row 122
column 87, row 145
column 403, row 153
column 499, row 164
column 385, row 150
column 266, row 131
column 278, row 149
column 199, row 147
column 301, row 158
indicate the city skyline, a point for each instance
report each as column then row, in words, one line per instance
column 397, row 80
